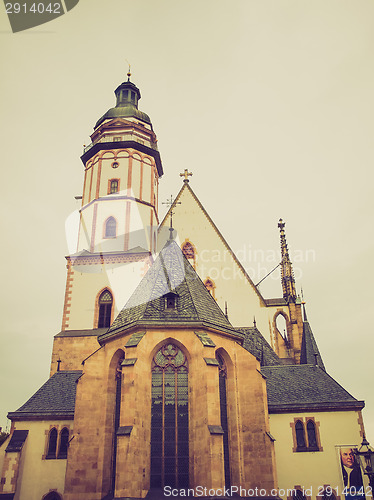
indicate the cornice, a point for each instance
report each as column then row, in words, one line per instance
column 123, row 145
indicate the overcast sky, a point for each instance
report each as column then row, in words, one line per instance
column 269, row 103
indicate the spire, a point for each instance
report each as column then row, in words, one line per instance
column 288, row 279
column 310, row 354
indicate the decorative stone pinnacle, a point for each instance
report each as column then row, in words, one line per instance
column 288, row 279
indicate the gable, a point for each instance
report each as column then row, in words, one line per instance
column 216, row 261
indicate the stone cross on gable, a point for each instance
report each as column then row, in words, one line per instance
column 185, row 174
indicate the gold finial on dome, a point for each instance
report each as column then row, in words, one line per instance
column 129, row 71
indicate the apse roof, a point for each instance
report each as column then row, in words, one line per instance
column 171, row 272
column 305, row 387
column 256, row 344
column 55, row 399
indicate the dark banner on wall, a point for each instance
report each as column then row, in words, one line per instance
column 351, row 474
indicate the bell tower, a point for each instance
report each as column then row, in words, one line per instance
column 116, row 226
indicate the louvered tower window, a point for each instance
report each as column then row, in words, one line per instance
column 169, row 423
column 224, row 419
column 105, row 309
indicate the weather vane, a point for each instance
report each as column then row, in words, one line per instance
column 170, row 203
column 129, row 72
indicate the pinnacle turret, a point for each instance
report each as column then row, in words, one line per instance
column 288, row 279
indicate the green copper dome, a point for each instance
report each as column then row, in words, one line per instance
column 127, row 95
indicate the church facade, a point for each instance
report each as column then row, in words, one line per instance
column 154, row 389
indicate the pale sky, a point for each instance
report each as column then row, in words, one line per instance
column 269, row 103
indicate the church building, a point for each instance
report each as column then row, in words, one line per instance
column 155, row 390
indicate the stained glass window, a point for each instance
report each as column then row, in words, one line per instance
column 224, row 419
column 169, row 424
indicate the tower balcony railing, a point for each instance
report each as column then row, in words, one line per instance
column 124, row 137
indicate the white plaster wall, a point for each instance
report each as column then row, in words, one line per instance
column 313, row 469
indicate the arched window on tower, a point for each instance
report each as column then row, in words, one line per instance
column 110, row 228
column 52, row 443
column 64, row 442
column 113, row 186
column 189, row 252
column 105, row 309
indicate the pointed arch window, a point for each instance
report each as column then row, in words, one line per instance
column 64, row 443
column 169, row 421
column 306, row 434
column 110, row 228
column 224, row 417
column 105, row 309
column 189, row 252
column 312, row 437
column 210, row 286
column 300, row 436
column 52, row 443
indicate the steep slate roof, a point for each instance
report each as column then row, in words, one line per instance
column 303, row 388
column 255, row 343
column 55, row 399
column 171, row 272
column 309, row 350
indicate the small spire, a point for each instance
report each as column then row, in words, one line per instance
column 304, row 309
column 254, row 321
column 226, row 314
column 288, row 279
column 185, row 174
